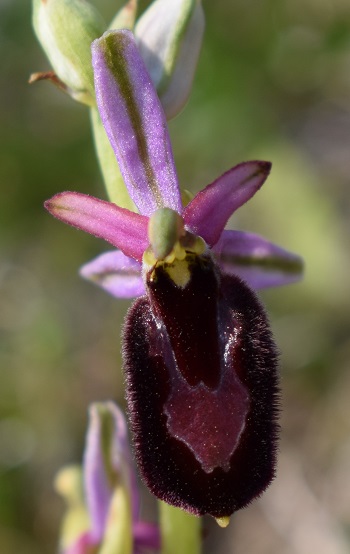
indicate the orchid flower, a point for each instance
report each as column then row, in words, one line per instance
column 199, row 359
column 106, row 519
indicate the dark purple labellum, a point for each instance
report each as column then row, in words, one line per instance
column 202, row 390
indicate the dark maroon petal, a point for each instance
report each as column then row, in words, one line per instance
column 204, row 440
column 189, row 316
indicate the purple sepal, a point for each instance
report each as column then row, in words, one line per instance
column 107, row 466
column 207, row 214
column 257, row 261
column 97, row 486
column 105, row 458
column 116, row 273
column 135, row 123
column 124, row 229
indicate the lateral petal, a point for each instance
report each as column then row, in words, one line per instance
column 209, row 211
column 257, row 261
column 135, row 122
column 124, row 229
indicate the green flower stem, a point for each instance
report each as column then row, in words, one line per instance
column 181, row 532
column 115, row 186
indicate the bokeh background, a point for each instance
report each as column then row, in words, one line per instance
column 273, row 82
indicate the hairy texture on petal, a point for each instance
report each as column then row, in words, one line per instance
column 135, row 123
column 122, row 228
column 257, row 261
column 173, row 471
column 207, row 214
column 116, row 273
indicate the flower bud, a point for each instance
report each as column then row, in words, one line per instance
column 169, row 36
column 65, row 29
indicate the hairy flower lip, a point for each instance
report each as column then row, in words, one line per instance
column 175, row 472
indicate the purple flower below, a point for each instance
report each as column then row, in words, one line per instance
column 110, row 481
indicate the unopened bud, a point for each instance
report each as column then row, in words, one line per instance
column 169, row 36
column 65, row 29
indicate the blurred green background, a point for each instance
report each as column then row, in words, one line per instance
column 273, row 82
